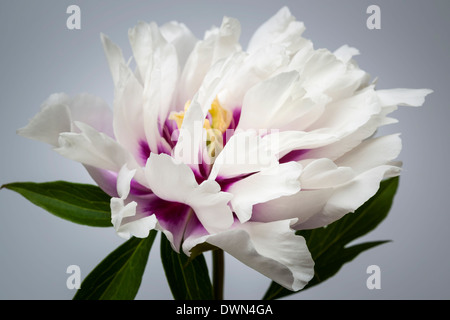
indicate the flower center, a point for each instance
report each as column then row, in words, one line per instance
column 216, row 123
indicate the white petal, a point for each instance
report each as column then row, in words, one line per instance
column 345, row 53
column 347, row 142
column 345, row 116
column 119, row 211
column 256, row 67
column 325, row 73
column 281, row 103
column 159, row 89
column 318, row 180
column 321, row 72
column 302, row 205
column 144, row 39
column 135, row 227
column 218, row 43
column 176, row 182
column 139, row 228
column 93, row 148
column 114, row 57
column 157, row 62
column 169, row 180
column 181, row 37
column 48, row 124
column 301, row 57
column 272, row 249
column 406, row 97
column 263, row 102
column 211, row 206
column 372, row 153
column 216, row 78
column 244, row 153
column 264, row 186
column 324, row 173
column 349, row 197
column 129, row 125
column 281, row 143
column 93, row 111
column 279, row 29
column 59, row 111
column 188, row 147
column 123, row 181
column 225, row 39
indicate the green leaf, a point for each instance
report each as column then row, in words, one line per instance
column 80, row 203
column 329, row 245
column 188, row 278
column 119, row 275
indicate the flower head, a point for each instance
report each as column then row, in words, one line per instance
column 210, row 143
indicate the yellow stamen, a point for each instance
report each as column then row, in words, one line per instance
column 178, row 117
column 220, row 117
column 220, row 121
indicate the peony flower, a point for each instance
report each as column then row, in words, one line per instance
column 238, row 149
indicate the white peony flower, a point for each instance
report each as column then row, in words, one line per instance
column 209, row 143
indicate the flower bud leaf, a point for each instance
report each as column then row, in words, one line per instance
column 80, row 203
column 188, row 278
column 119, row 275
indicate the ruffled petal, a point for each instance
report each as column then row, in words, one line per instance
column 266, row 185
column 93, row 111
column 181, row 37
column 124, row 214
column 282, row 29
column 48, row 124
column 351, row 120
column 404, row 97
column 170, row 181
column 244, row 153
column 114, row 56
column 211, row 206
column 188, row 148
column 94, row 148
column 175, row 182
column 372, row 153
column 144, row 39
column 216, row 78
column 318, row 180
column 272, row 249
column 346, row 53
column 129, row 127
column 323, row 73
column 324, row 173
column 158, row 71
column 265, row 100
column 217, row 44
column 302, row 206
column 329, row 191
column 125, row 222
column 59, row 112
column 159, row 90
column 350, row 196
column 254, row 68
column 282, row 143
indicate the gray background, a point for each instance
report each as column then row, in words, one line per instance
column 39, row 56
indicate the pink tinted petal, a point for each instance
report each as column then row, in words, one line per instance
column 105, row 179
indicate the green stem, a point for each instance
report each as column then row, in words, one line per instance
column 218, row 273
